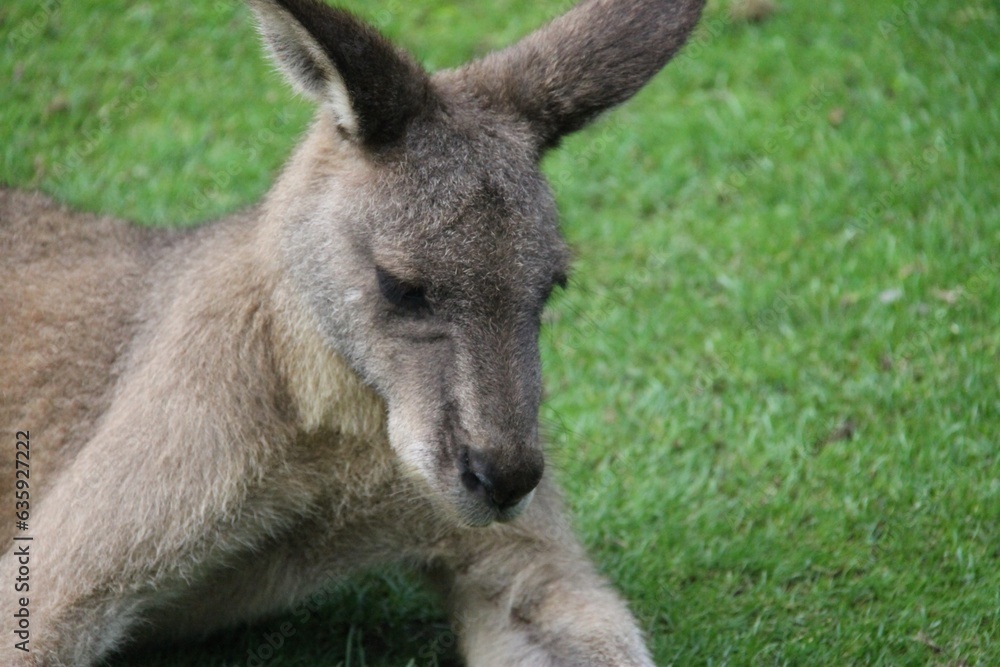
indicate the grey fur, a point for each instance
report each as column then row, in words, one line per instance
column 224, row 420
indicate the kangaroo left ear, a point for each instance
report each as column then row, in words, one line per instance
column 372, row 88
column 595, row 56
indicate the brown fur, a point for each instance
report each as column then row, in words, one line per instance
column 224, row 420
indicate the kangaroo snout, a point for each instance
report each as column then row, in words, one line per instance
column 502, row 480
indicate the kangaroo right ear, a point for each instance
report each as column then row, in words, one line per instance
column 595, row 56
column 372, row 88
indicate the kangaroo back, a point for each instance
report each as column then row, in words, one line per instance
column 71, row 291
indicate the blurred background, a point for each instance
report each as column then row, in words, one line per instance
column 773, row 388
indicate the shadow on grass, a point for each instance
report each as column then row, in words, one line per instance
column 385, row 619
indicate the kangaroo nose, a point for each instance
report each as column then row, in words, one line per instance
column 502, row 481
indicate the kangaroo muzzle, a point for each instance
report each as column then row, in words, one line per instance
column 501, row 482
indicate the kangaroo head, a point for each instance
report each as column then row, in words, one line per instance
column 418, row 226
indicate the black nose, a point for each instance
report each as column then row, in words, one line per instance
column 501, row 480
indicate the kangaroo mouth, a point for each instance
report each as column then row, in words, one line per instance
column 476, row 514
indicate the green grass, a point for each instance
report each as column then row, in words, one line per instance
column 773, row 385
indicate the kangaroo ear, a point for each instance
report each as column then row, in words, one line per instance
column 372, row 88
column 595, row 56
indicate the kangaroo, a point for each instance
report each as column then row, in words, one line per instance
column 221, row 421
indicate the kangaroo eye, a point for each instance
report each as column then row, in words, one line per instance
column 401, row 294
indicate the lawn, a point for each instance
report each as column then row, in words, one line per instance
column 773, row 387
